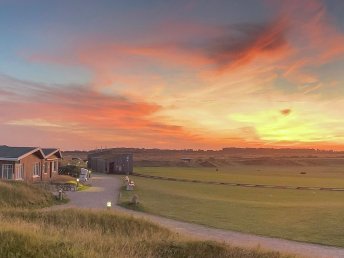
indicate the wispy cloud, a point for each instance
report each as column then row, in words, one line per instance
column 33, row 123
column 242, row 43
column 85, row 112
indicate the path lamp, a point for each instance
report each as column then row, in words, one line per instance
column 108, row 205
column 77, row 182
column 60, row 195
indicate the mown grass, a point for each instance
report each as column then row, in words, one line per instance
column 309, row 216
column 79, row 233
column 38, row 233
column 83, row 187
column 79, row 186
column 329, row 176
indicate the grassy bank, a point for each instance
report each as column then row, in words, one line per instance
column 78, row 233
column 15, row 194
column 309, row 216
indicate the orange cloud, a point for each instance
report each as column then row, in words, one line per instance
column 87, row 113
column 285, row 112
column 316, row 40
column 219, row 49
column 301, row 35
column 254, row 40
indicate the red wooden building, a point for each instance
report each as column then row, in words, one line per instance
column 30, row 164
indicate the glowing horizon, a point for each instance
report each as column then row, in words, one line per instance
column 172, row 75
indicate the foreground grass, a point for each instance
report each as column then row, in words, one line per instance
column 329, row 176
column 79, row 233
column 309, row 216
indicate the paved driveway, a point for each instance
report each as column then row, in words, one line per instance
column 106, row 188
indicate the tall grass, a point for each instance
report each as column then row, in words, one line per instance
column 80, row 233
column 19, row 194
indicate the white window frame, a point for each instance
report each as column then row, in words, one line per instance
column 19, row 173
column 8, row 168
column 36, row 170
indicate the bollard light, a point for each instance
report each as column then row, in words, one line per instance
column 60, row 195
column 108, row 205
column 77, row 182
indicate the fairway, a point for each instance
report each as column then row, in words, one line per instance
column 317, row 176
column 310, row 216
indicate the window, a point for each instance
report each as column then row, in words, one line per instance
column 36, row 169
column 46, row 167
column 7, row 171
column 19, row 175
column 55, row 166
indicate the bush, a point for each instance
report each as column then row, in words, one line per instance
column 70, row 170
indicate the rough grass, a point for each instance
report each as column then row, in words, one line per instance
column 309, row 216
column 79, row 233
column 19, row 194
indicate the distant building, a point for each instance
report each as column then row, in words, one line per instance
column 187, row 160
column 111, row 163
column 29, row 164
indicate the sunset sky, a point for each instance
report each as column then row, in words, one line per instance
column 80, row 74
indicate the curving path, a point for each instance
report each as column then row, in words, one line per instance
column 107, row 188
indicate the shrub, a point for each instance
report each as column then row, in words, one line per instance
column 70, row 170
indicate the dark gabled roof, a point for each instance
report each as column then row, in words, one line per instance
column 50, row 151
column 7, row 152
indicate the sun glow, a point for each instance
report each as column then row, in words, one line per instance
column 276, row 126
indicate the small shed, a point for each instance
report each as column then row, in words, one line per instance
column 111, row 163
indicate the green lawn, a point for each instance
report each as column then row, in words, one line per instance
column 310, row 216
column 331, row 176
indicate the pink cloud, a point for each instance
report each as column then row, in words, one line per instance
column 219, row 49
column 301, row 35
column 83, row 112
column 316, row 39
